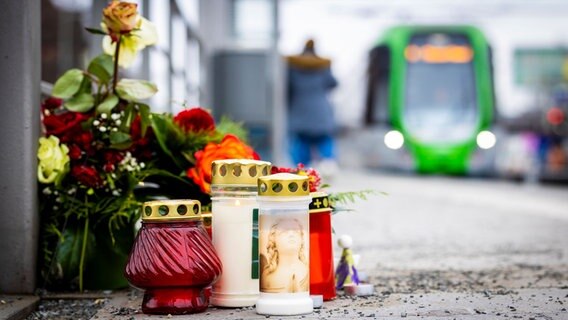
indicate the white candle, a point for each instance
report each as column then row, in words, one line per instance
column 233, row 221
column 284, row 245
column 235, row 230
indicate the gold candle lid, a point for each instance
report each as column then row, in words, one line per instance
column 171, row 210
column 238, row 171
column 283, row 185
column 320, row 202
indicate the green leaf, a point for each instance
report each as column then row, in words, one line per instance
column 348, row 197
column 86, row 86
column 120, row 140
column 69, row 251
column 227, row 126
column 127, row 118
column 119, row 137
column 108, row 104
column 145, row 116
column 135, row 90
column 68, row 84
column 82, row 102
column 167, row 134
column 96, row 31
column 101, row 67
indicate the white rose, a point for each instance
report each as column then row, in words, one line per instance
column 53, row 159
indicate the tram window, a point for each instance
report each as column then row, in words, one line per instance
column 496, row 114
column 376, row 109
column 440, row 95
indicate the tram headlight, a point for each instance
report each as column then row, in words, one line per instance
column 394, row 139
column 486, row 139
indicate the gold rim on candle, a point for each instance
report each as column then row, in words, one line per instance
column 171, row 210
column 238, row 171
column 283, row 185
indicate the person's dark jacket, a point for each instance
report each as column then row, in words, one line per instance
column 309, row 80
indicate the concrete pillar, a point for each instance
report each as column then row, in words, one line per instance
column 20, row 62
column 279, row 111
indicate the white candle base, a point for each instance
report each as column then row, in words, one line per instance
column 234, row 300
column 289, row 305
column 318, row 301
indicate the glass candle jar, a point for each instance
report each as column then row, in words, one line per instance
column 235, row 229
column 207, row 221
column 284, row 200
column 173, row 259
column 322, row 277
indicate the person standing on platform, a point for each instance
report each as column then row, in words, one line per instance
column 311, row 120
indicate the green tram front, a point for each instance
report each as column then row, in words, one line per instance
column 433, row 86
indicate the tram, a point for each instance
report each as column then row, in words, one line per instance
column 433, row 86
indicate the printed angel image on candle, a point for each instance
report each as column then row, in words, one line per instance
column 284, row 256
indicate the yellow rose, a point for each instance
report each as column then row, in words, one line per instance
column 144, row 35
column 120, row 17
column 53, row 159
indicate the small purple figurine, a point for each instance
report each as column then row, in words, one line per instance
column 345, row 273
column 346, row 276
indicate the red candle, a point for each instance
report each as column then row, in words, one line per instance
column 173, row 258
column 322, row 278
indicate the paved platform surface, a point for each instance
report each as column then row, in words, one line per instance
column 13, row 307
column 440, row 247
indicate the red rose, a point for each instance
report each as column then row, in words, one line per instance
column 59, row 125
column 75, row 152
column 51, row 103
column 87, row 176
column 195, row 120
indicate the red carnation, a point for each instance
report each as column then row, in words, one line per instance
column 84, row 139
column 112, row 158
column 109, row 167
column 88, row 176
column 140, row 145
column 136, row 128
column 195, row 120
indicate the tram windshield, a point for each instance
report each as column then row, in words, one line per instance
column 441, row 104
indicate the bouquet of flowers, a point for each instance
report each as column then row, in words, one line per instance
column 102, row 145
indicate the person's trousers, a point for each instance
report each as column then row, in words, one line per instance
column 303, row 147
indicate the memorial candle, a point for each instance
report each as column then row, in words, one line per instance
column 322, row 276
column 284, row 245
column 235, row 230
column 173, row 259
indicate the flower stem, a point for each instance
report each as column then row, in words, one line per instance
column 116, row 53
column 83, row 253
